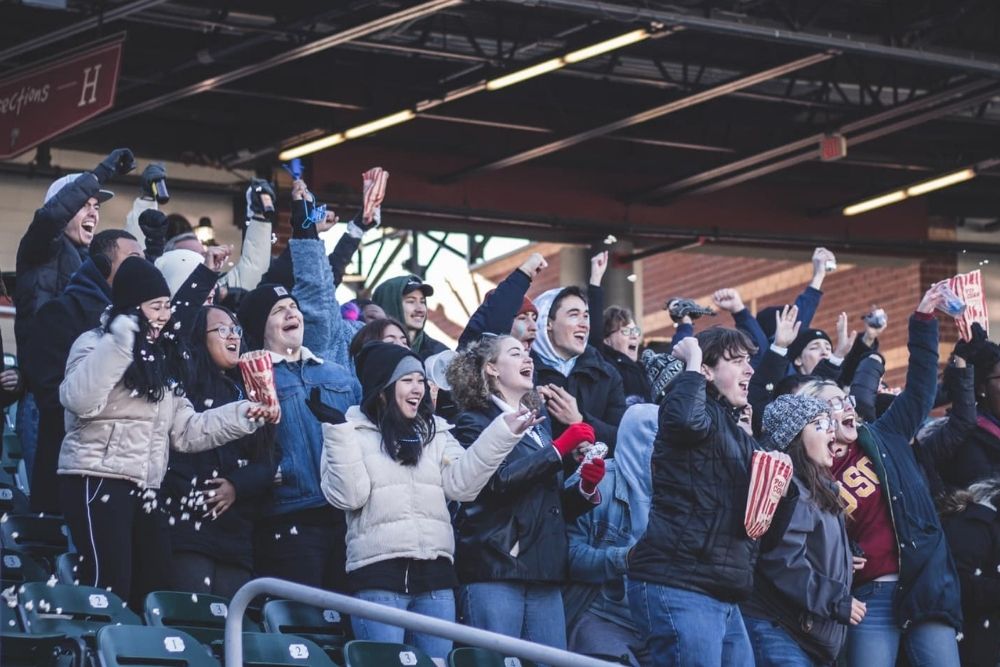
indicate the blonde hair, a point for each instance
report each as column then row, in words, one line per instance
column 471, row 387
column 815, row 387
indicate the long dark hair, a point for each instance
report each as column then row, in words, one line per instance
column 155, row 365
column 403, row 439
column 219, row 386
column 373, row 331
column 817, row 479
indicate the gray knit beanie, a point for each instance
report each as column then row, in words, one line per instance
column 785, row 418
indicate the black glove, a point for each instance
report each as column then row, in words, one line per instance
column 255, row 204
column 322, row 411
column 119, row 162
column 151, row 174
column 153, row 224
column 301, row 227
column 971, row 349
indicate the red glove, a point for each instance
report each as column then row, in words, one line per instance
column 591, row 474
column 573, row 437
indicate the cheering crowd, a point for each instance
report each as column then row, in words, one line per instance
column 756, row 495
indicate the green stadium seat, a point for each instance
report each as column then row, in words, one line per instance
column 326, row 627
column 359, row 653
column 480, row 657
column 74, row 611
column 200, row 615
column 12, row 499
column 66, row 569
column 44, row 537
column 265, row 649
column 20, row 649
column 118, row 646
column 17, row 568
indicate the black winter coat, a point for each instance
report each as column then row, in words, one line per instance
column 524, row 503
column 696, row 538
column 54, row 329
column 229, row 538
column 46, row 258
column 598, row 390
column 978, row 457
column 974, row 538
column 7, row 397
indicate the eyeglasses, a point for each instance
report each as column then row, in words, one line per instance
column 630, row 331
column 225, row 331
column 840, row 404
column 822, row 424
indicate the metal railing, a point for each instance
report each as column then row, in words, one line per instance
column 405, row 619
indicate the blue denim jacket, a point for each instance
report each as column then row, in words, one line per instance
column 299, row 434
column 598, row 543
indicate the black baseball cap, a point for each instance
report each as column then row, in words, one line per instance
column 414, row 283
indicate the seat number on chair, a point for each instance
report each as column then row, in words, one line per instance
column 173, row 644
column 407, row 658
column 331, row 616
column 6, row 494
column 218, row 609
column 98, row 601
column 298, row 651
column 511, row 662
column 11, row 561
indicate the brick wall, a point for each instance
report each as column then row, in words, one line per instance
column 497, row 269
column 894, row 284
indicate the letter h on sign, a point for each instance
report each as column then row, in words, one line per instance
column 89, row 85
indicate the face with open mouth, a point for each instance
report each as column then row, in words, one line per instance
column 525, row 328
column 819, row 440
column 80, row 229
column 569, row 327
column 844, row 418
column 814, row 352
column 414, row 310
column 409, row 393
column 224, row 350
column 626, row 339
column 157, row 314
column 731, row 377
column 512, row 368
column 283, row 331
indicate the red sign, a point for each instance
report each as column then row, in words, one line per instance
column 38, row 103
column 832, row 147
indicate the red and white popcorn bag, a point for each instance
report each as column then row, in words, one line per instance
column 769, row 477
column 258, row 377
column 373, row 185
column 969, row 288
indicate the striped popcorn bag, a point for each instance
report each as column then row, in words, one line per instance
column 769, row 476
column 258, row 377
column 373, row 191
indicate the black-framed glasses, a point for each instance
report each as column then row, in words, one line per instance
column 224, row 331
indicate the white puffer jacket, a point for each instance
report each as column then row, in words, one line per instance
column 110, row 433
column 399, row 511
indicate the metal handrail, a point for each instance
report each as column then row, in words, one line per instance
column 392, row 616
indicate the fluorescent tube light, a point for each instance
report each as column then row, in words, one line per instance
column 941, row 182
column 875, row 202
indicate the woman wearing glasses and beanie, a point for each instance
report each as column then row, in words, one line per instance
column 802, row 603
column 212, row 497
column 908, row 580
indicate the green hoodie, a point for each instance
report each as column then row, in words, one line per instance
column 389, row 295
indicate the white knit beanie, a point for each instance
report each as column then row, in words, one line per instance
column 177, row 266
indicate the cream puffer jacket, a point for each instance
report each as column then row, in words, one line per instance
column 399, row 511
column 110, row 433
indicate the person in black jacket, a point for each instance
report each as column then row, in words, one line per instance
column 56, row 326
column 972, row 525
column 511, row 553
column 506, row 309
column 577, row 384
column 695, row 563
column 211, row 497
column 11, row 387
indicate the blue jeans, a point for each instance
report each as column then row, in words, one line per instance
column 875, row 641
column 26, row 425
column 528, row 611
column 687, row 629
column 773, row 646
column 436, row 604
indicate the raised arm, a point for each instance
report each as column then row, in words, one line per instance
column 465, row 471
column 683, row 417
column 193, row 431
column 97, row 362
column 497, row 312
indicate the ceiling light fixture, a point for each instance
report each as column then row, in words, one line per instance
column 917, row 189
column 530, row 72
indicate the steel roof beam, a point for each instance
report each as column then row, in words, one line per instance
column 413, row 13
column 812, row 141
column 865, row 45
column 101, row 18
column 643, row 116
